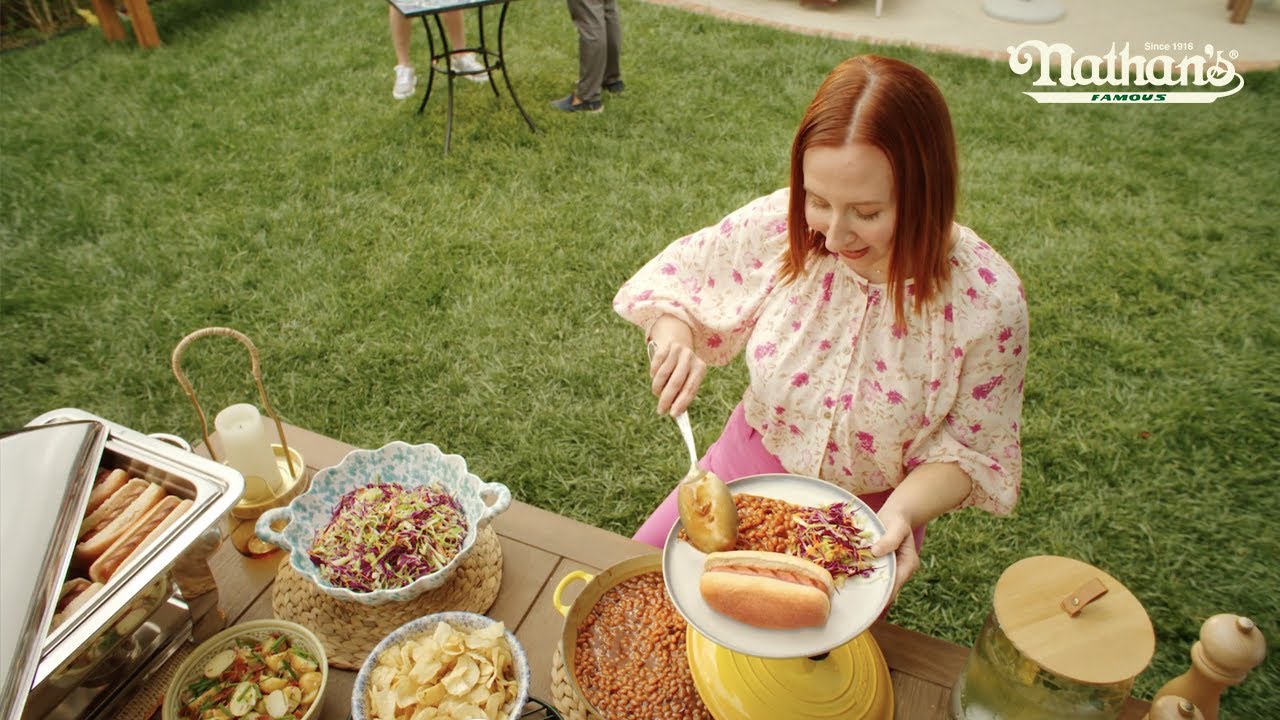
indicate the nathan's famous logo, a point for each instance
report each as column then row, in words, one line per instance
column 1119, row 77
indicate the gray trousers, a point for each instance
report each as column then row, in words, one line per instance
column 599, row 45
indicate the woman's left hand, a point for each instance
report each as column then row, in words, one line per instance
column 898, row 539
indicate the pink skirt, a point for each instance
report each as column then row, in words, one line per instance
column 738, row 453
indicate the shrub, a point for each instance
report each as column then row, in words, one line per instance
column 46, row 17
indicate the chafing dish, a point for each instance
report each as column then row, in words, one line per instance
column 97, row 658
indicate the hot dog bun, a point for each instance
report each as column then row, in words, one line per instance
column 118, row 513
column 107, row 483
column 75, row 593
column 707, row 511
column 137, row 536
column 767, row 589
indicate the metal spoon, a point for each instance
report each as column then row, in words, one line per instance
column 686, row 431
column 706, row 506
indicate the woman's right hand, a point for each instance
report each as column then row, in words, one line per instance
column 676, row 370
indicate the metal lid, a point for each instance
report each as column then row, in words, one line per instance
column 1074, row 620
column 45, row 476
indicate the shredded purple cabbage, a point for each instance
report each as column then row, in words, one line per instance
column 829, row 536
column 383, row 536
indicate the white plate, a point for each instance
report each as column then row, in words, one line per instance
column 853, row 607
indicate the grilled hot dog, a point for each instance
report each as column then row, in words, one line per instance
column 767, row 589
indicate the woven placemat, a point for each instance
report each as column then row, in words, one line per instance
column 148, row 698
column 349, row 631
column 570, row 704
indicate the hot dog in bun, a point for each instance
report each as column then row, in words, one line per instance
column 113, row 517
column 767, row 589
column 106, row 484
column 151, row 526
column 74, row 595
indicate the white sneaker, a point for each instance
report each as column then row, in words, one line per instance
column 406, row 82
column 467, row 63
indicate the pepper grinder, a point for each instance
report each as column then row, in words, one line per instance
column 1172, row 707
column 1229, row 647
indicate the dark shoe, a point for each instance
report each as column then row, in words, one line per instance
column 567, row 104
column 616, row 86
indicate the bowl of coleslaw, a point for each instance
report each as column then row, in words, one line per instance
column 385, row 525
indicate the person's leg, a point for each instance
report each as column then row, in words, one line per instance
column 453, row 27
column 588, row 17
column 465, row 62
column 400, row 29
column 406, row 78
column 613, row 44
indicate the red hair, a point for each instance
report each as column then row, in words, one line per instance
column 897, row 108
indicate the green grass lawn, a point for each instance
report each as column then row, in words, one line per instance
column 255, row 173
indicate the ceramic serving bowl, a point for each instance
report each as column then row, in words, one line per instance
column 255, row 631
column 424, row 627
column 396, row 462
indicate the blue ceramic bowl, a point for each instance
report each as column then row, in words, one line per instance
column 396, row 462
column 425, row 626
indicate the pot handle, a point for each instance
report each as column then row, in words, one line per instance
column 582, row 575
column 263, row 526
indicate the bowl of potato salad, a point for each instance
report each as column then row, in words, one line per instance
column 258, row 670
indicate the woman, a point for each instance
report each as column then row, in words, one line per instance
column 460, row 62
column 886, row 345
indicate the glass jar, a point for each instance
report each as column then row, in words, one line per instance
column 1000, row 683
column 1063, row 641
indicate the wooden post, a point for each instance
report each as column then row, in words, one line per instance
column 144, row 27
column 108, row 20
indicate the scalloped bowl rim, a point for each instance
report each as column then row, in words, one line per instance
column 301, row 563
column 203, row 651
column 422, row 626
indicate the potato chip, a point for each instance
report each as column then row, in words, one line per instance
column 463, row 677
column 431, row 696
column 449, row 674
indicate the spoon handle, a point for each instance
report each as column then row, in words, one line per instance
column 682, row 421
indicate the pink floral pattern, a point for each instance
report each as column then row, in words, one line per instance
column 946, row 388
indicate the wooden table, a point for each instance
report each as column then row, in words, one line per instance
column 538, row 549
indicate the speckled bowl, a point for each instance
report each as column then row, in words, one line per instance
column 426, row 625
column 256, row 630
column 396, row 462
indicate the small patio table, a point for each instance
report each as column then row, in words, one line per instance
column 492, row 60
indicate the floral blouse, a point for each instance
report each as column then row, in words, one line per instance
column 836, row 390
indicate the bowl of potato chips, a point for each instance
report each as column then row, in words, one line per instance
column 449, row 665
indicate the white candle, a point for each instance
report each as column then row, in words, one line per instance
column 245, row 448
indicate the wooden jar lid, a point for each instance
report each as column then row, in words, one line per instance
column 1109, row 638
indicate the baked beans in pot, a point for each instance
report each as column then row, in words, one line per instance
column 623, row 645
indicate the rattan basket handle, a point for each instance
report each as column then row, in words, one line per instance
column 256, row 368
